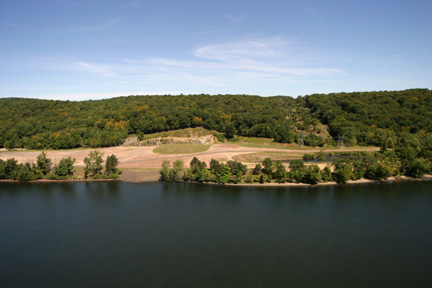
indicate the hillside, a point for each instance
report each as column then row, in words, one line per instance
column 373, row 118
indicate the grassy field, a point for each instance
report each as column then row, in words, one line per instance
column 181, row 148
column 188, row 132
column 259, row 157
column 255, row 142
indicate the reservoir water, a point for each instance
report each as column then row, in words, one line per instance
column 114, row 234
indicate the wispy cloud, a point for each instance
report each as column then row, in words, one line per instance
column 267, row 55
column 95, row 68
column 90, row 28
column 93, row 28
column 254, row 66
column 231, row 51
column 71, row 3
column 235, row 19
column 262, row 59
column 133, row 4
column 11, row 25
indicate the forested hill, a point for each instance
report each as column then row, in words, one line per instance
column 373, row 118
column 363, row 117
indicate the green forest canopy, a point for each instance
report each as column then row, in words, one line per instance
column 363, row 118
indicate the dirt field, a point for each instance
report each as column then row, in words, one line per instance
column 143, row 157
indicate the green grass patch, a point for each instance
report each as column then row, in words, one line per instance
column 188, row 132
column 259, row 157
column 256, row 142
column 181, row 148
column 140, row 169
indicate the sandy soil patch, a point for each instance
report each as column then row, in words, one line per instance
column 139, row 176
column 143, row 157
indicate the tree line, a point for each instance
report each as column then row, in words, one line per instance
column 353, row 166
column 357, row 118
column 45, row 169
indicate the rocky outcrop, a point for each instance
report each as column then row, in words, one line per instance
column 133, row 140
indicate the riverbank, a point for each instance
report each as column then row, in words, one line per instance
column 330, row 183
column 132, row 176
column 136, row 176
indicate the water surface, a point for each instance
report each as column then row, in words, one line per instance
column 117, row 234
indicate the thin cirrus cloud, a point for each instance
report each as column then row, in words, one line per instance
column 232, row 51
column 266, row 56
column 11, row 25
column 235, row 19
column 102, row 70
column 218, row 65
column 90, row 28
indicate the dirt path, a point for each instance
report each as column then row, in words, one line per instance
column 143, row 157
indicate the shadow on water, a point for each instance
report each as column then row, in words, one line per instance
column 182, row 190
column 102, row 191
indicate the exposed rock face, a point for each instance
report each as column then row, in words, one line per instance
column 133, row 140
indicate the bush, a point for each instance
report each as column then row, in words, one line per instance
column 312, row 175
column 308, row 157
column 219, row 136
column 321, row 157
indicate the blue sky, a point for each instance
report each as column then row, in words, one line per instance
column 93, row 49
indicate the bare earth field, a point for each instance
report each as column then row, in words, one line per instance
column 142, row 164
column 144, row 157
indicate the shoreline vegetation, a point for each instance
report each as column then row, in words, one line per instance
column 343, row 168
column 44, row 170
column 153, row 179
column 355, row 167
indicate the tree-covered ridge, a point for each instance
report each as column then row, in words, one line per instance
column 369, row 118
column 38, row 124
column 373, row 118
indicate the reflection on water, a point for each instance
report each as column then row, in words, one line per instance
column 114, row 234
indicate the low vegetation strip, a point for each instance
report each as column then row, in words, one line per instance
column 63, row 170
column 181, row 148
column 259, row 157
column 356, row 166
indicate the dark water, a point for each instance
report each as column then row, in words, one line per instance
column 189, row 235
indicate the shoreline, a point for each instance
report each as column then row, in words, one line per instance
column 399, row 179
column 151, row 179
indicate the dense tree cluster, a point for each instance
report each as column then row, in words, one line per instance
column 45, row 169
column 352, row 166
column 41, row 124
column 93, row 166
column 229, row 172
column 374, row 118
column 11, row 170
